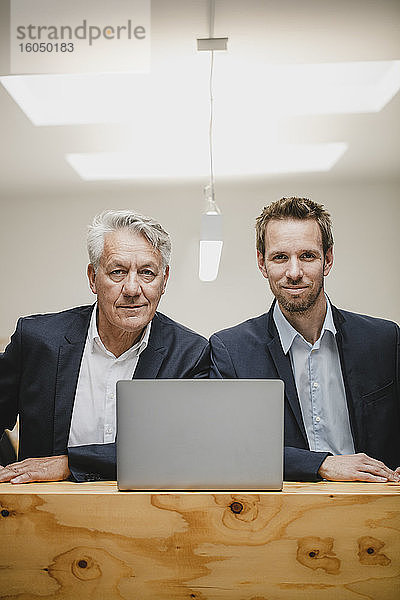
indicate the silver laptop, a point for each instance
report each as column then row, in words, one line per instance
column 200, row 434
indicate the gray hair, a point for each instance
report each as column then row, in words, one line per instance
column 112, row 220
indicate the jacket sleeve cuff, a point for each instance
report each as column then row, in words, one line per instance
column 302, row 465
column 94, row 462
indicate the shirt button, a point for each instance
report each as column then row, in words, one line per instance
column 108, row 429
column 315, row 384
column 317, row 419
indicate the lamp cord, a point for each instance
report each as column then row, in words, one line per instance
column 212, row 18
column 211, row 127
column 210, row 136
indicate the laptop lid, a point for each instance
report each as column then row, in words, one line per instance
column 200, row 434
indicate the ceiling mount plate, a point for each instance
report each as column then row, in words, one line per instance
column 212, row 43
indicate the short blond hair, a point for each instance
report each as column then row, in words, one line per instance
column 294, row 208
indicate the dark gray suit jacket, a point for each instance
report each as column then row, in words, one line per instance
column 39, row 373
column 369, row 356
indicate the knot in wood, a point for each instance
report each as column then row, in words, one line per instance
column 370, row 552
column 5, row 513
column 317, row 553
column 86, row 568
column 82, row 564
column 236, row 507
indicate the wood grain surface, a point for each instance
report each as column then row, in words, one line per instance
column 68, row 541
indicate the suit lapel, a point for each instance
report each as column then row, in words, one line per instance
column 349, row 373
column 151, row 359
column 284, row 369
column 149, row 363
column 68, row 366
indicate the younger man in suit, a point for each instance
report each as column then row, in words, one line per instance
column 59, row 371
column 340, row 369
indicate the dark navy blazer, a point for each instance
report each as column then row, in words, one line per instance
column 39, row 373
column 369, row 357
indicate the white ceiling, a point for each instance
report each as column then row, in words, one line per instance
column 261, row 33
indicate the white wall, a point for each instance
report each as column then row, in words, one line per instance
column 43, row 266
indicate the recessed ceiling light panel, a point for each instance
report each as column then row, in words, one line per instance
column 334, row 88
column 296, row 158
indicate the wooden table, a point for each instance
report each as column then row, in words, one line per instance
column 318, row 540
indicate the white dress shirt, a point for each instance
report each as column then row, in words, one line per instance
column 94, row 413
column 319, row 382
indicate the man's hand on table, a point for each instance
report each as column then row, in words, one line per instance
column 49, row 468
column 357, row 467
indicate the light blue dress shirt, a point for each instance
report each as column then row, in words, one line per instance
column 319, row 382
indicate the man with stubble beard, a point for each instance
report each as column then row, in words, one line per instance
column 340, row 369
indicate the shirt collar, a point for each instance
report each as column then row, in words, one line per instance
column 287, row 333
column 96, row 343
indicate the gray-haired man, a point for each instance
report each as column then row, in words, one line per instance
column 59, row 371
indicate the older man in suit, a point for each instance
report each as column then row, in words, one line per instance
column 60, row 370
column 340, row 369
